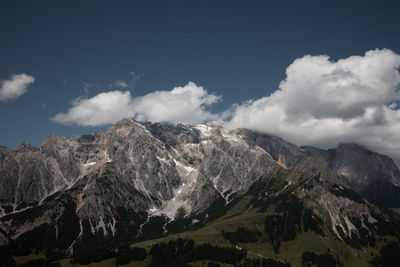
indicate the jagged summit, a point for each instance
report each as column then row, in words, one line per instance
column 168, row 167
column 65, row 159
column 208, row 154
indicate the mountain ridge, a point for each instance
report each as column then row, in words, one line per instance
column 138, row 181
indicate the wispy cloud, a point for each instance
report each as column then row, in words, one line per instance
column 135, row 76
column 129, row 82
column 120, row 84
column 15, row 87
column 86, row 87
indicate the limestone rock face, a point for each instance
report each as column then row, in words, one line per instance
column 359, row 165
column 376, row 177
column 119, row 181
column 141, row 168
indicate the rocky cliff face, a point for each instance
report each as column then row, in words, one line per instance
column 376, row 177
column 140, row 178
column 311, row 192
column 152, row 169
column 359, row 165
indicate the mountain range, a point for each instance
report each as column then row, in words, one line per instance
column 143, row 183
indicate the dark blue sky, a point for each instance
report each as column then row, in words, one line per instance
column 237, row 49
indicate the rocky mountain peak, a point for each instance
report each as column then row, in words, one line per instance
column 140, row 171
column 358, row 164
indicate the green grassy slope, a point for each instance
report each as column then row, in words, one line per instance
column 290, row 251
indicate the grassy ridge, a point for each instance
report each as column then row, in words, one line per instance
column 290, row 251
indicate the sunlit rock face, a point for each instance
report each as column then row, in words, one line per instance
column 137, row 171
column 155, row 169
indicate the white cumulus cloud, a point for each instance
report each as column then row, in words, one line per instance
column 103, row 108
column 15, row 87
column 187, row 104
column 323, row 102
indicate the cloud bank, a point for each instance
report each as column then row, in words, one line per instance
column 15, row 87
column 321, row 102
column 187, row 104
